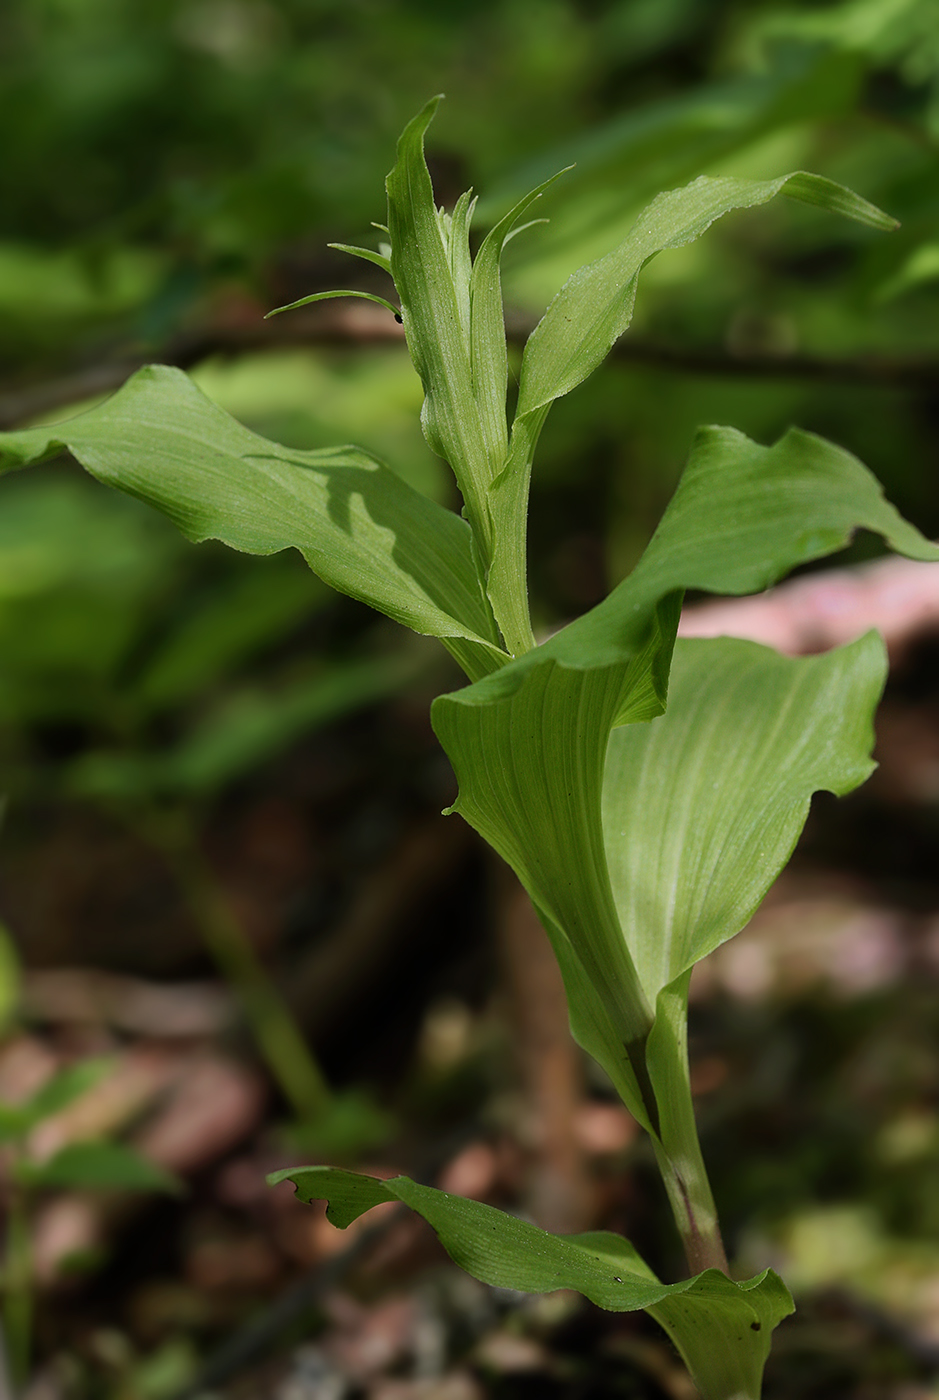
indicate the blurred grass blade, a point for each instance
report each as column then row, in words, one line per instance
column 247, row 729
column 100, row 1166
column 329, row 296
column 9, row 978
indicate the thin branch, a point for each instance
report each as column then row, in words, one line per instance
column 361, row 324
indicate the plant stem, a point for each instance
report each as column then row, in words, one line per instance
column 278, row 1037
column 18, row 1296
column 677, row 1147
column 689, row 1194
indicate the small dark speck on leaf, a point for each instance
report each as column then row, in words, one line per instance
column 755, row 1326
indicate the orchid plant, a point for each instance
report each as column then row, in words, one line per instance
column 645, row 791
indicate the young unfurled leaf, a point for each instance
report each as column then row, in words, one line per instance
column 595, row 305
column 360, row 527
column 453, row 320
column 507, row 1252
column 431, row 302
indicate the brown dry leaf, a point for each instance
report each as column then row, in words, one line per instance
column 471, row 1173
column 792, row 944
column 456, row 1385
column 139, row 1076
column 175, row 1010
column 511, row 1352
column 236, row 1262
column 26, row 1063
column 214, row 1104
column 363, row 1342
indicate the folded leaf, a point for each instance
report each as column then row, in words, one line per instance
column 701, row 810
column 453, row 319
column 506, row 1252
column 724, row 1348
column 488, row 359
column 435, row 309
column 703, row 806
column 529, row 742
column 360, row 527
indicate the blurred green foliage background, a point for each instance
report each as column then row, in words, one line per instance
column 171, row 169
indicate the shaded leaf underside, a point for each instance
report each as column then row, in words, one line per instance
column 358, row 525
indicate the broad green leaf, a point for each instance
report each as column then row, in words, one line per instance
column 595, row 305
column 99, row 1166
column 529, row 742
column 506, row 1252
column 357, row 524
column 701, row 810
column 703, row 806
column 592, row 310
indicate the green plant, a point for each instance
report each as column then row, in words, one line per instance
column 645, row 834
column 99, row 1164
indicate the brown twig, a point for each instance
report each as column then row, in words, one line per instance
column 360, row 323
